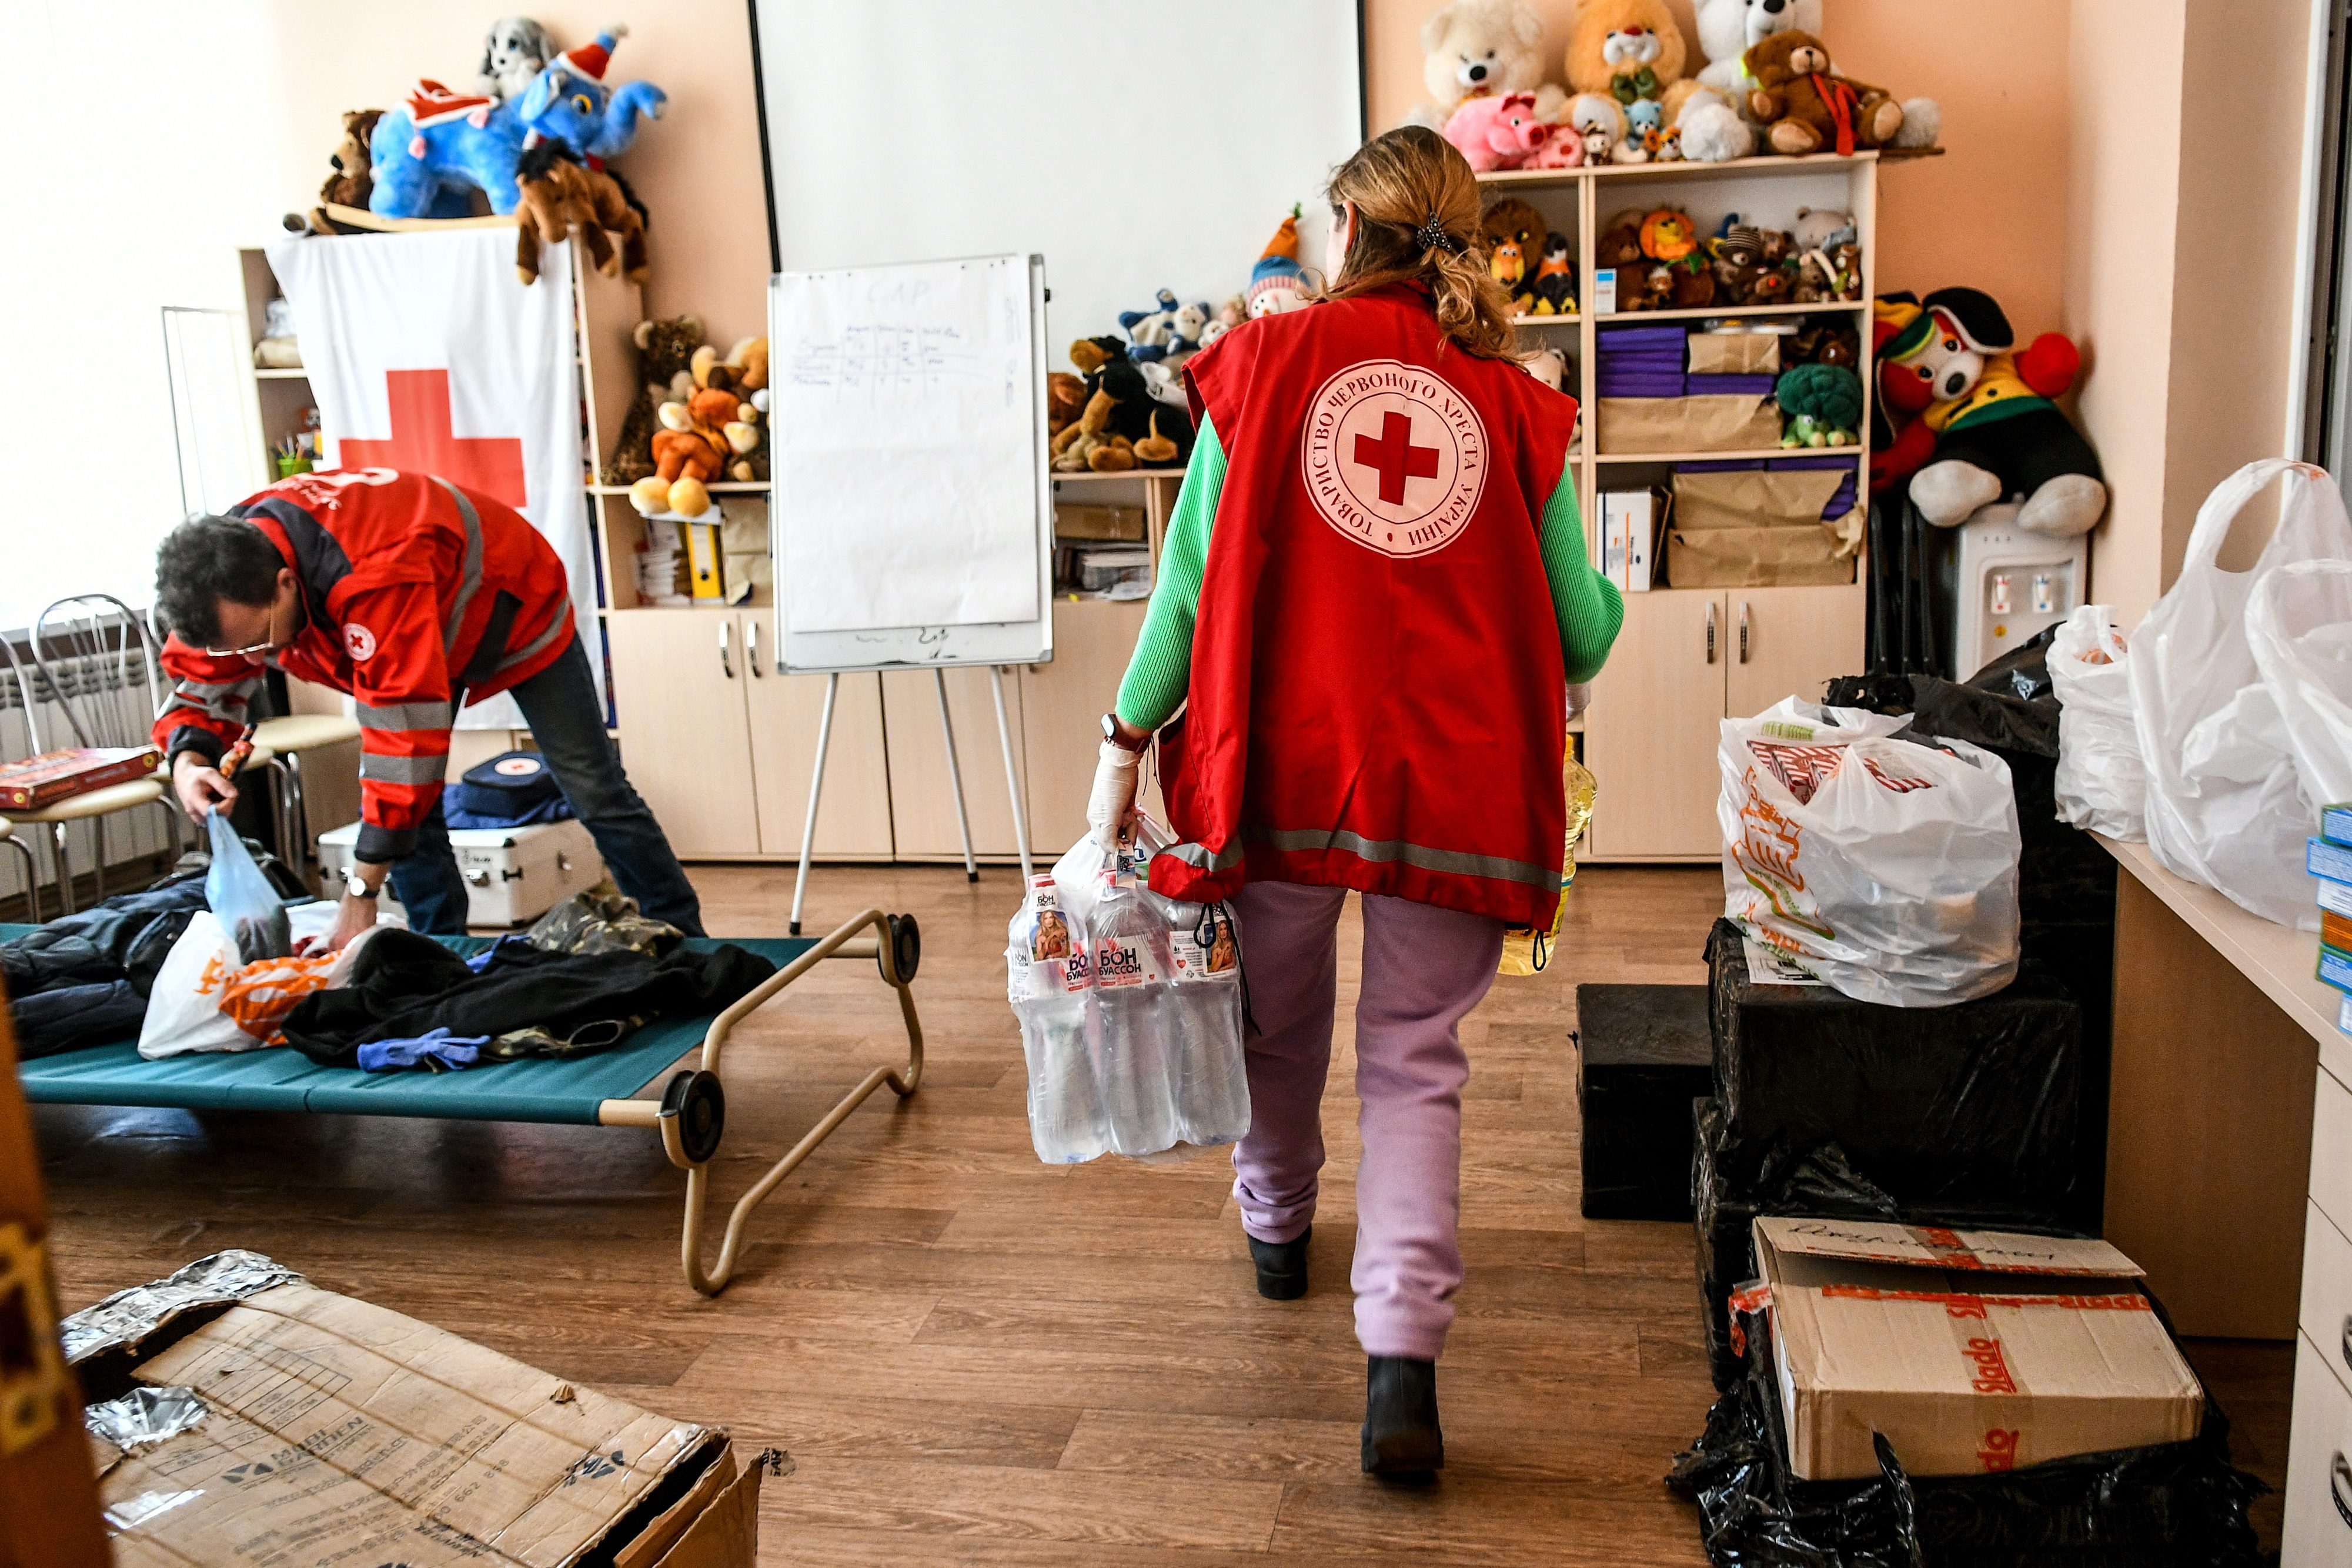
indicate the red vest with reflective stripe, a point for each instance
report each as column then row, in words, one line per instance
column 1377, row 700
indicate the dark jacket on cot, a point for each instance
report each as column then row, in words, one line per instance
column 82, row 978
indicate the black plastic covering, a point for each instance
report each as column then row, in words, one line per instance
column 1641, row 1058
column 2171, row 1506
column 1734, row 1179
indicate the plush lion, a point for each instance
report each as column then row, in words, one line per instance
column 1622, row 51
column 1805, row 106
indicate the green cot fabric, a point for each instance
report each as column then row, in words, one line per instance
column 1588, row 607
column 285, row 1079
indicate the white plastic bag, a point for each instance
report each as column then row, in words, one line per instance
column 242, row 897
column 2300, row 624
column 203, row 970
column 1886, row 867
column 2102, row 782
column 2225, row 806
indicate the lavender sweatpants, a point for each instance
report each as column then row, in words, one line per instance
column 1425, row 969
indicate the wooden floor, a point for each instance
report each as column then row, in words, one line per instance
column 974, row 1358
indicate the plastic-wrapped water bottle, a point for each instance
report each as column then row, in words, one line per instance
column 1049, row 972
column 1204, row 994
column 1133, row 1040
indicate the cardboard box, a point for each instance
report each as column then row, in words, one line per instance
column 1629, row 521
column 1714, row 421
column 331, row 1432
column 54, row 776
column 1969, row 1351
column 1754, row 558
column 1754, row 498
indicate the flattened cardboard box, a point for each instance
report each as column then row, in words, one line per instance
column 344, row 1434
column 1971, row 1350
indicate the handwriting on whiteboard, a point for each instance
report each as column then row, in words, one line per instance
column 874, row 358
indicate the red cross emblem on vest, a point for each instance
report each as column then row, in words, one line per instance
column 1395, row 457
column 423, row 441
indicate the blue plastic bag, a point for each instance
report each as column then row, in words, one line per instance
column 242, row 897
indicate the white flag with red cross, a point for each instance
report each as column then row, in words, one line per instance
column 425, row 353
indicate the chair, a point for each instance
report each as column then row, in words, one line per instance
column 287, row 738
column 32, row 870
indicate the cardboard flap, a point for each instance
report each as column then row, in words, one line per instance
column 727, row 1534
column 1991, row 1251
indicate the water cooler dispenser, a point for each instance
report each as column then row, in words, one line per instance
column 1999, row 585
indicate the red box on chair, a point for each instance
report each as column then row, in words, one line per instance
column 55, row 775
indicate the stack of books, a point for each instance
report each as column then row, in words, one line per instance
column 2328, row 857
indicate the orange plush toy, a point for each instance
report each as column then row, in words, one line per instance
column 685, row 461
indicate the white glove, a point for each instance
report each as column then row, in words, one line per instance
column 1578, row 699
column 1111, row 808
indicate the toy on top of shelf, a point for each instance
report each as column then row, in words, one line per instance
column 1986, row 427
column 1477, row 48
column 350, row 184
column 557, row 194
column 1276, row 283
column 1563, row 148
column 1728, row 29
column 665, row 373
column 1645, row 134
column 1498, row 133
column 1554, row 282
column 1806, row 107
column 1823, row 404
column 1066, row 399
column 514, row 51
column 1516, row 235
column 1629, row 51
column 1155, row 449
column 1230, row 315
column 1122, row 398
column 1598, row 123
column 569, row 102
column 1148, row 331
column 1822, row 229
column 1089, row 444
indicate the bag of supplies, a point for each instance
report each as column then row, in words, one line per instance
column 1527, row 950
column 1130, row 1010
column 237, row 892
column 205, row 997
column 1884, row 867
column 2225, row 803
column 2300, row 623
column 2102, row 784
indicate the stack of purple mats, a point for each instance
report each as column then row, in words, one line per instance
column 1841, row 501
column 1641, row 361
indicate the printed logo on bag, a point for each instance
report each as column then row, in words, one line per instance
column 1765, row 853
column 1899, row 783
column 517, row 767
column 1394, row 458
column 360, row 642
column 1803, row 768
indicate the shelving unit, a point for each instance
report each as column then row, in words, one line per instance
column 1689, row 656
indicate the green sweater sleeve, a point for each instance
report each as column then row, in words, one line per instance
column 1588, row 605
column 1160, row 673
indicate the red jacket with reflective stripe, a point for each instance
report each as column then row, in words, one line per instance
column 1377, row 699
column 414, row 587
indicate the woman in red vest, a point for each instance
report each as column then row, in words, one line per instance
column 1377, row 609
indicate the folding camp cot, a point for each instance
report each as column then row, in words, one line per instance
column 600, row 1090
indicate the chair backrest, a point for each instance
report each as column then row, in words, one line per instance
column 100, row 667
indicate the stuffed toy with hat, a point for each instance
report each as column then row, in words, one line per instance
column 1629, row 51
column 1806, row 107
column 1728, row 29
column 1481, row 48
column 1276, row 283
column 1985, row 427
column 569, row 102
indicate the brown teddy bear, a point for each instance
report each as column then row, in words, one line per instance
column 665, row 374
column 349, row 185
column 1805, row 106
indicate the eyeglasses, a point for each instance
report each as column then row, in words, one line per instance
column 254, row 650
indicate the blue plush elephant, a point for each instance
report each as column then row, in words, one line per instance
column 431, row 155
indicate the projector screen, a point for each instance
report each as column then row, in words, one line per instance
column 1135, row 146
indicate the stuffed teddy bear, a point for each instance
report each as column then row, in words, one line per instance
column 741, row 377
column 1549, row 366
column 349, row 185
column 1516, row 236
column 1822, row 228
column 1986, row 426
column 665, row 373
column 1476, row 48
column 1066, row 399
column 1627, row 51
column 1495, row 133
column 1805, row 106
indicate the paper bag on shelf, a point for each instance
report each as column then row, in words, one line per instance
column 1716, row 422
column 1753, row 498
column 1754, row 558
column 1734, row 353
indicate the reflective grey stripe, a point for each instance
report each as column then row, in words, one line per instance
column 402, row 770
column 469, row 576
column 214, row 696
column 557, row 627
column 1310, row 841
column 405, row 715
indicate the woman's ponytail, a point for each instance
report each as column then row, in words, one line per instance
column 1417, row 214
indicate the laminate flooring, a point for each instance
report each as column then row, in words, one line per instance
column 975, row 1358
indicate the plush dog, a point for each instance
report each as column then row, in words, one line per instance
column 515, row 50
column 1805, row 106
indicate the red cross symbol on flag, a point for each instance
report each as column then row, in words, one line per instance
column 424, row 442
column 1395, row 458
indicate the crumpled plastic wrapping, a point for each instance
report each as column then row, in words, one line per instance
column 128, row 1317
column 145, row 1416
column 601, row 920
column 2175, row 1505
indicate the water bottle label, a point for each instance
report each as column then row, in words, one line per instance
column 1118, row 963
column 1198, row 960
column 1077, row 970
column 1049, row 936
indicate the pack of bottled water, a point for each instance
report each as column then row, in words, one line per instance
column 1130, row 1011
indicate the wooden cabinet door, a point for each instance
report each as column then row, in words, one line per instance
column 685, row 737
column 1062, row 705
column 923, row 801
column 1788, row 642
column 852, row 817
column 1650, row 736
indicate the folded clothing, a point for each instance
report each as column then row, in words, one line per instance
column 71, row 1017
column 404, row 985
column 1642, row 338
column 1754, row 385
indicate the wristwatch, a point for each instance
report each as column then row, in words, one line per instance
column 354, row 888
column 1111, row 729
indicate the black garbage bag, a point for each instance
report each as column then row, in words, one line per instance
column 2174, row 1505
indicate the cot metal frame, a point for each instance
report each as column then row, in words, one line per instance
column 691, row 1114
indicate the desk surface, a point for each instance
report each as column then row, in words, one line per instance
column 2278, row 960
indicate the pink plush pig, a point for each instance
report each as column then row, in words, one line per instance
column 1496, row 132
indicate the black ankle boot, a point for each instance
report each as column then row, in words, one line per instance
column 1281, row 1267
column 1401, row 1433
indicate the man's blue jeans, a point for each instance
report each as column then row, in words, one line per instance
column 567, row 721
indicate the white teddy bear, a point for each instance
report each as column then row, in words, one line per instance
column 1474, row 47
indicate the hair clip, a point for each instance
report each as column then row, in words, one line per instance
column 1432, row 236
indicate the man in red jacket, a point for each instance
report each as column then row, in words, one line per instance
column 415, row 596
